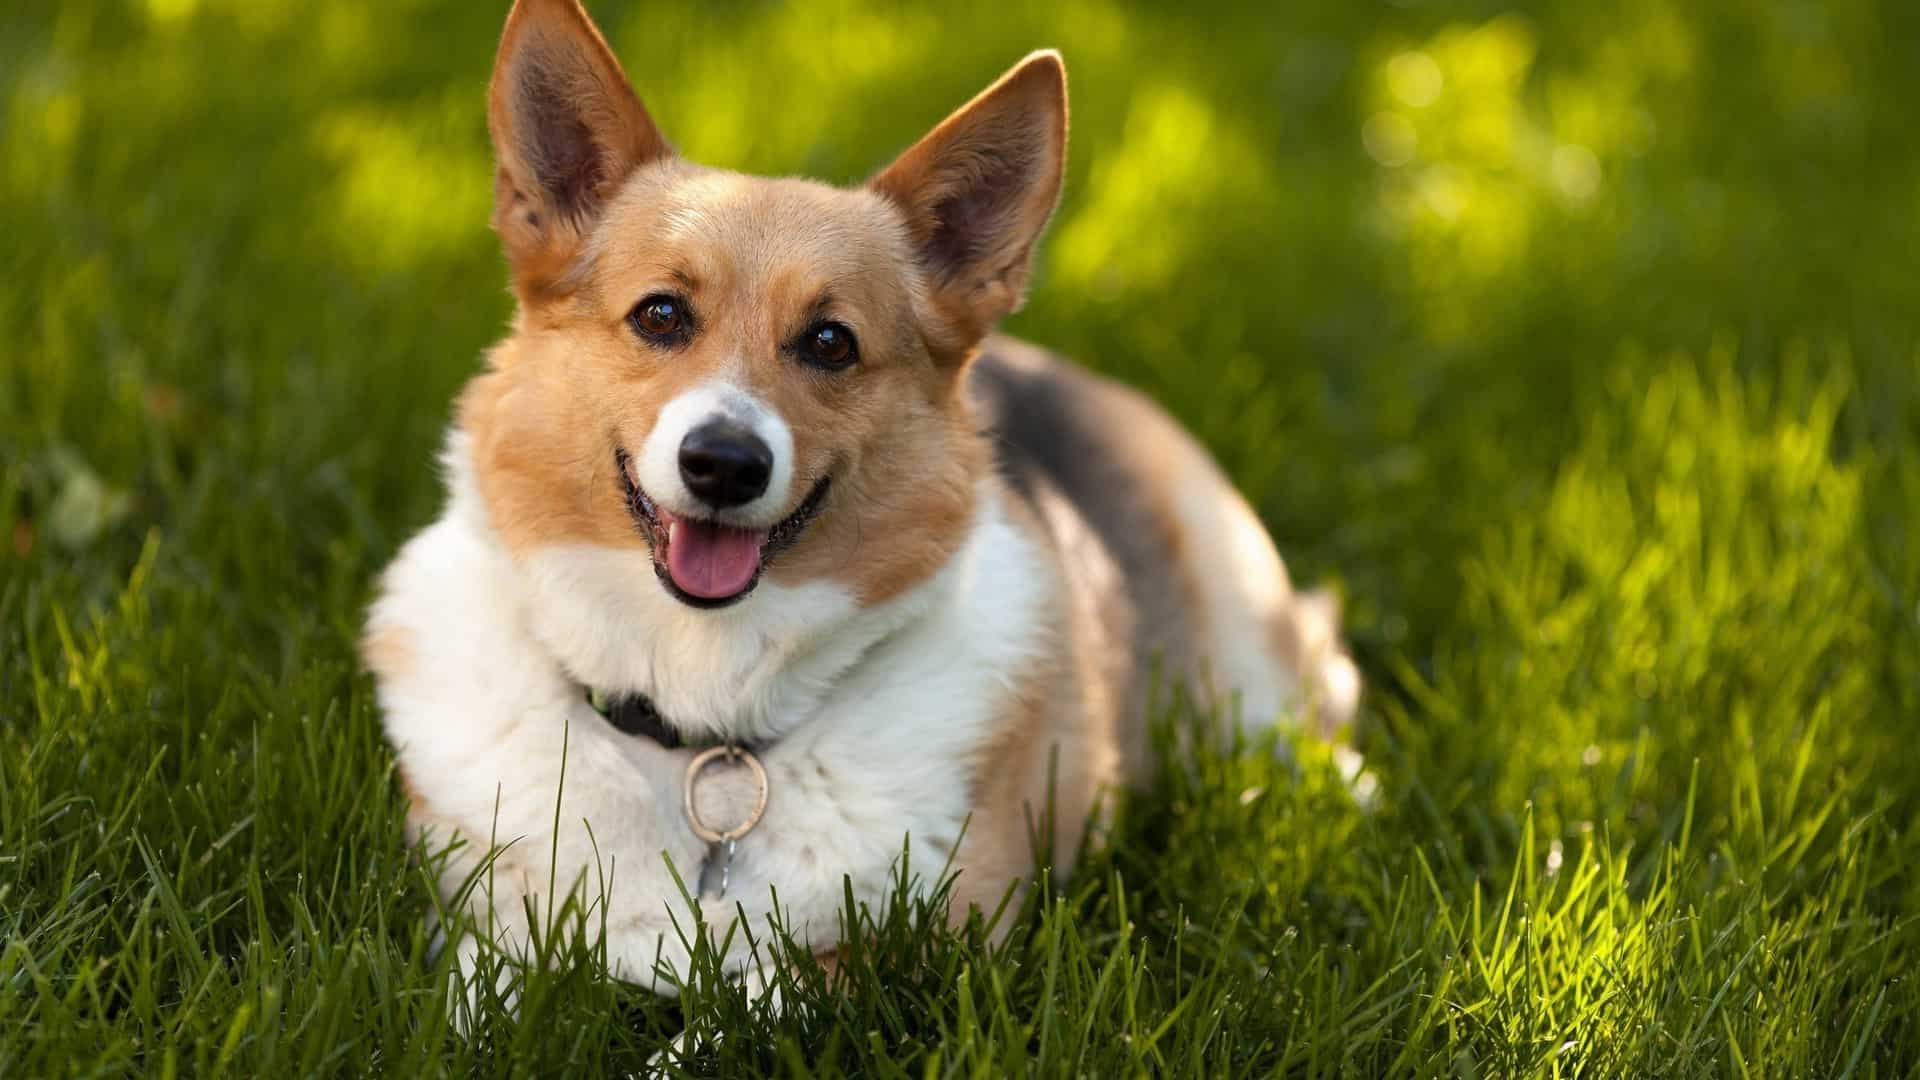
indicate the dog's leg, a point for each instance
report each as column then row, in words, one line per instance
column 1306, row 638
column 1272, row 650
column 498, row 748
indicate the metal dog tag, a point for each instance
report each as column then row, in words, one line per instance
column 725, row 795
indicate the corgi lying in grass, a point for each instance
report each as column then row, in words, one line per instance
column 851, row 575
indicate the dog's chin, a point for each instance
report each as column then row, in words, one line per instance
column 704, row 563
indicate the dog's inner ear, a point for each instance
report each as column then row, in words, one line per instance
column 978, row 189
column 567, row 130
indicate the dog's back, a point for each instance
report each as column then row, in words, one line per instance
column 1165, row 577
column 1196, row 593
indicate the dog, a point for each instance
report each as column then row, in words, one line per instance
column 860, row 585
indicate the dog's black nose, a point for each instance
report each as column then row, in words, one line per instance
column 725, row 464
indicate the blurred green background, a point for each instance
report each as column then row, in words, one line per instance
column 1578, row 343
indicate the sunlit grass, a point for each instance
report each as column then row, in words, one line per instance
column 1578, row 346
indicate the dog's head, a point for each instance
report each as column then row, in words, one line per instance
column 744, row 374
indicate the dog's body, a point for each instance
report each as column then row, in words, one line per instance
column 751, row 452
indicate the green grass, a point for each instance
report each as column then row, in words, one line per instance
column 1579, row 346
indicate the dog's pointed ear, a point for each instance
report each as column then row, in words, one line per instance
column 978, row 189
column 567, row 130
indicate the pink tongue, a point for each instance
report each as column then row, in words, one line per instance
column 712, row 561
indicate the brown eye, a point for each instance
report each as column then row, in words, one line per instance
column 829, row 345
column 663, row 320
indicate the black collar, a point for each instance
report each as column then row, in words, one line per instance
column 635, row 715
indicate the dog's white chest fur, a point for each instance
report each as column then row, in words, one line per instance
column 871, row 720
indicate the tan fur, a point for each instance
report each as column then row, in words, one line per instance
column 388, row 651
column 1302, row 637
column 1153, row 453
column 758, row 260
column 1065, row 740
column 553, row 62
column 1037, row 782
column 423, row 821
column 1020, row 122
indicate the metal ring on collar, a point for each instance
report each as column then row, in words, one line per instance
column 698, row 765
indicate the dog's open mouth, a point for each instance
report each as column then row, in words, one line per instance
column 707, row 563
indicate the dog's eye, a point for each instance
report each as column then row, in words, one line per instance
column 829, row 345
column 662, row 319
